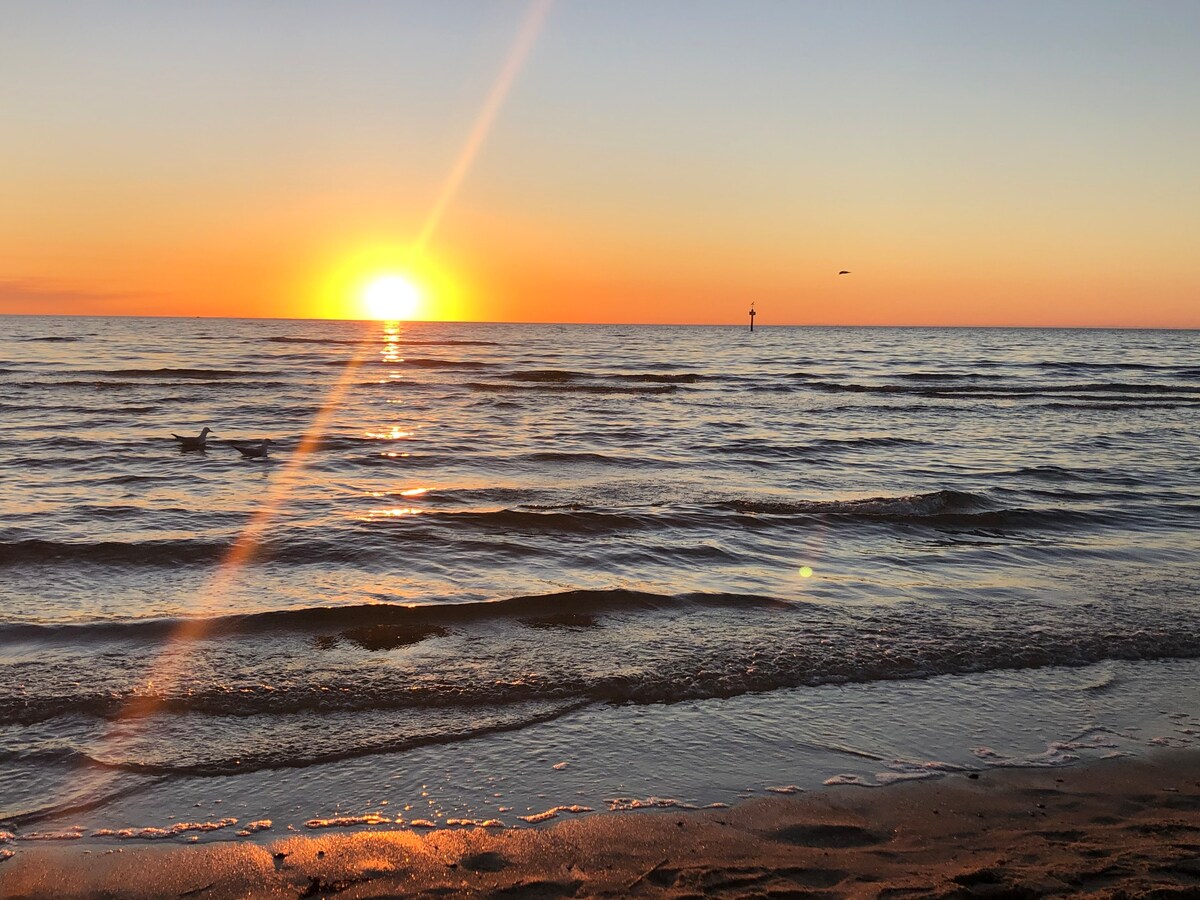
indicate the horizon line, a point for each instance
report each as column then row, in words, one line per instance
column 742, row 325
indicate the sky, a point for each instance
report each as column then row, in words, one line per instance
column 969, row 163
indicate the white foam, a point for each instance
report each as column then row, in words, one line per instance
column 1052, row 757
column 847, row 778
column 893, row 777
column 628, row 803
column 74, row 833
column 255, row 827
column 1097, row 741
column 478, row 823
column 346, row 821
column 553, row 813
column 153, row 833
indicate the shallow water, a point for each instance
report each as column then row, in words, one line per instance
column 478, row 539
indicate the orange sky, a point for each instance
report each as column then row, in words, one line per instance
column 672, row 163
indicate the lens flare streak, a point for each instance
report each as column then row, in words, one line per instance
column 168, row 666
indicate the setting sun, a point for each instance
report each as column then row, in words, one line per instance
column 391, row 297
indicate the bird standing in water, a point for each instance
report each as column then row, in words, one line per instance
column 254, row 451
column 193, row 443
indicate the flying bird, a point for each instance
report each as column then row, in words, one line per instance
column 844, row 272
column 193, row 443
column 254, row 451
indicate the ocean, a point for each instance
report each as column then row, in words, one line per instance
column 506, row 573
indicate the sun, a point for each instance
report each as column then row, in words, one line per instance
column 391, row 297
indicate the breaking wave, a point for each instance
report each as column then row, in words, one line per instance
column 795, row 645
column 374, row 614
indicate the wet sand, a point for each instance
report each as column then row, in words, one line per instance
column 1113, row 828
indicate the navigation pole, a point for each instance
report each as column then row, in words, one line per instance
column 752, row 315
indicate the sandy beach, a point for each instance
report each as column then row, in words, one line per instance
column 1112, row 828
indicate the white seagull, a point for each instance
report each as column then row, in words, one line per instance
column 254, row 451
column 193, row 443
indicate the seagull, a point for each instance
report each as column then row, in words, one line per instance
column 193, row 443
column 254, row 451
column 844, row 272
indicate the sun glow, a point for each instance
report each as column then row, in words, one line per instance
column 391, row 297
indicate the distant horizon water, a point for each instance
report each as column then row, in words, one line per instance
column 730, row 324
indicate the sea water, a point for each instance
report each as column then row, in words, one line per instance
column 489, row 571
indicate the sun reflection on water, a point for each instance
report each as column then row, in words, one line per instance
column 391, row 343
column 395, row 433
column 394, row 513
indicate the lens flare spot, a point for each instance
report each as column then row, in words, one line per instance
column 806, row 572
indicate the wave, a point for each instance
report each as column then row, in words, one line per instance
column 384, row 440
column 100, row 412
column 161, row 553
column 45, row 754
column 447, row 343
column 1080, row 366
column 510, row 717
column 132, row 479
column 997, row 391
column 947, row 376
column 573, row 387
column 944, row 508
column 420, row 362
column 586, row 456
column 1124, row 405
column 142, row 384
column 334, row 342
column 879, row 441
column 52, row 339
column 331, row 548
column 78, row 382
column 649, row 377
column 376, row 341
column 564, row 376
column 328, row 618
column 168, row 373
column 1050, row 472
column 795, row 646
column 676, row 378
column 909, row 506
column 394, row 382
column 576, row 522
column 761, row 450
column 552, row 376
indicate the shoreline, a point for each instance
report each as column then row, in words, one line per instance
column 1106, row 828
